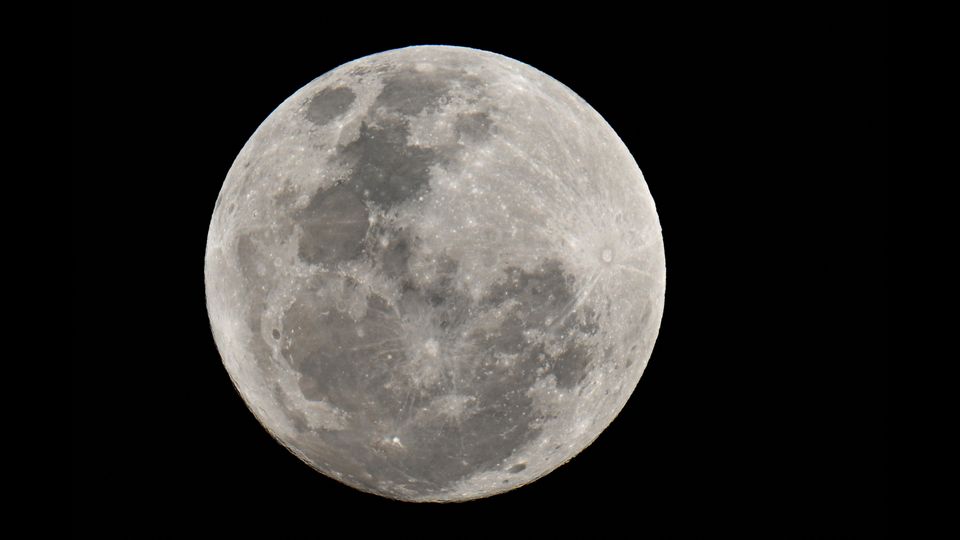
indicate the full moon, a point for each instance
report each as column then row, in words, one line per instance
column 435, row 274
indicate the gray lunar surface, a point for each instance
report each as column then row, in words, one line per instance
column 435, row 274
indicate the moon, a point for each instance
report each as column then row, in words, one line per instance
column 435, row 274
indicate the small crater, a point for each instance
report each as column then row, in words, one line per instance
column 517, row 468
column 275, row 333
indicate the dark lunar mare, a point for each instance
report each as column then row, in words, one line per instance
column 385, row 171
column 330, row 103
column 358, row 375
column 357, row 366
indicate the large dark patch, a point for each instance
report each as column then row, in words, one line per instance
column 248, row 256
column 541, row 293
column 410, row 92
column 358, row 366
column 360, row 373
column 396, row 255
column 474, row 126
column 385, row 170
column 344, row 362
column 447, row 307
column 334, row 225
column 329, row 104
column 545, row 300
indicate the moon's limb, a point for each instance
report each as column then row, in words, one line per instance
column 435, row 273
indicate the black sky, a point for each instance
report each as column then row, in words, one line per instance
column 762, row 136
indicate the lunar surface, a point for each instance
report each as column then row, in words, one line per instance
column 435, row 274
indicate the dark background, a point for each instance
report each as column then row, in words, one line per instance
column 762, row 136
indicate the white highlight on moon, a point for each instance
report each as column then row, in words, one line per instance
column 435, row 274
